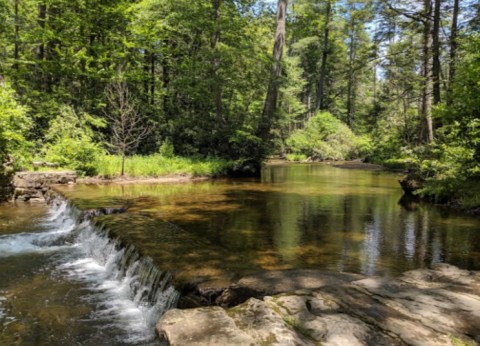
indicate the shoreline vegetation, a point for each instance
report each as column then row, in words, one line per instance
column 160, row 169
column 175, row 82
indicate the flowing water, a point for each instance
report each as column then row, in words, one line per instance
column 63, row 281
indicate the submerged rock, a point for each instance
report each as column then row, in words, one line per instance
column 439, row 306
column 89, row 214
column 411, row 183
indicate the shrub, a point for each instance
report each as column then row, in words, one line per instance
column 167, row 149
column 323, row 138
column 70, row 142
column 296, row 157
column 14, row 125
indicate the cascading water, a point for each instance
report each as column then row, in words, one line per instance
column 127, row 291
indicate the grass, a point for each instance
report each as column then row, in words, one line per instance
column 459, row 341
column 157, row 165
column 296, row 157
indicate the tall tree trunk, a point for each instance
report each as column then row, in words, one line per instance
column 146, row 75
column 16, row 52
column 152, row 77
column 453, row 50
column 425, row 107
column 216, row 86
column 42, row 17
column 149, row 76
column 436, row 53
column 351, row 78
column 166, row 80
column 270, row 105
column 325, row 51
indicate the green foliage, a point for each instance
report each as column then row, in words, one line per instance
column 70, row 141
column 450, row 168
column 296, row 157
column 166, row 149
column 14, row 126
column 157, row 165
column 323, row 138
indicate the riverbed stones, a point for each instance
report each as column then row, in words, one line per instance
column 439, row 306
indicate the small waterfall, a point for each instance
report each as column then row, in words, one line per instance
column 128, row 290
column 133, row 291
column 133, row 287
column 54, row 230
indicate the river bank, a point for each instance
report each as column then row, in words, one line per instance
column 439, row 306
column 226, row 245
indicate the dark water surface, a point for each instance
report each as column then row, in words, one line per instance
column 60, row 282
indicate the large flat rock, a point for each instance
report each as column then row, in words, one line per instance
column 438, row 306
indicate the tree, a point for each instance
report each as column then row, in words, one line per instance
column 14, row 126
column 320, row 105
column 126, row 123
column 426, row 101
column 436, row 68
column 270, row 105
column 453, row 49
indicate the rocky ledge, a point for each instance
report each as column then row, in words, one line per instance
column 439, row 306
column 33, row 186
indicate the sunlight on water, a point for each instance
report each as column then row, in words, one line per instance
column 64, row 281
column 295, row 216
column 92, row 263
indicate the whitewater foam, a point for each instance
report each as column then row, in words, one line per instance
column 126, row 290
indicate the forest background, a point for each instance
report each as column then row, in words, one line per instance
column 151, row 87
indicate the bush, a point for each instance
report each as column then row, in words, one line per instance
column 70, row 142
column 14, row 125
column 79, row 154
column 323, row 138
column 167, row 149
column 296, row 157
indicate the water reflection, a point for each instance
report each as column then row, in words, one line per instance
column 297, row 216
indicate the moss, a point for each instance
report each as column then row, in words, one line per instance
column 297, row 327
column 460, row 341
column 270, row 340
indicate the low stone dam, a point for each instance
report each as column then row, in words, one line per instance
column 306, row 255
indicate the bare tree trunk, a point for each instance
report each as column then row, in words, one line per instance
column 453, row 50
column 270, row 106
column 325, row 51
column 425, row 107
column 436, row 53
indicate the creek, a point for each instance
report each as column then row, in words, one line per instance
column 70, row 279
